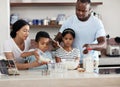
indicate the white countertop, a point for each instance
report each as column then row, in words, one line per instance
column 70, row 74
column 71, row 78
column 109, row 60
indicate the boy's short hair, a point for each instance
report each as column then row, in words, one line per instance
column 41, row 34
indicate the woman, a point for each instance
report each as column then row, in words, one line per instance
column 19, row 43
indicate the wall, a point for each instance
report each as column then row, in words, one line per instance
column 4, row 21
column 111, row 17
column 109, row 12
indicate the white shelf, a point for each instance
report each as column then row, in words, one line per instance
column 20, row 4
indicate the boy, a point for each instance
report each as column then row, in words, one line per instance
column 43, row 56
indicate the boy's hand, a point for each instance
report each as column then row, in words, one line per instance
column 43, row 62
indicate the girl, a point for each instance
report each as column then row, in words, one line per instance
column 67, row 52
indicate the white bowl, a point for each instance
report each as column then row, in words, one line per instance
column 71, row 64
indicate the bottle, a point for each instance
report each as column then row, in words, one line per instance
column 88, row 63
column 96, row 60
column 46, row 21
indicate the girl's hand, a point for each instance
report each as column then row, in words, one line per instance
column 55, row 44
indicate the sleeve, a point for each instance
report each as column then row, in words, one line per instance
column 101, row 30
column 31, row 58
column 78, row 52
column 57, row 53
column 65, row 25
column 50, row 55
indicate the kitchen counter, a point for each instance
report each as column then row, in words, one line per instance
column 71, row 78
column 109, row 60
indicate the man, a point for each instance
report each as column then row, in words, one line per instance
column 89, row 30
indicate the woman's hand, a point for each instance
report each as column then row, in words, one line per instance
column 26, row 54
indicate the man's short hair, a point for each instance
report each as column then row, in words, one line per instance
column 84, row 1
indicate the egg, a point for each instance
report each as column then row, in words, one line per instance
column 43, row 59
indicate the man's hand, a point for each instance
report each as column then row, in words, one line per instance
column 87, row 47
